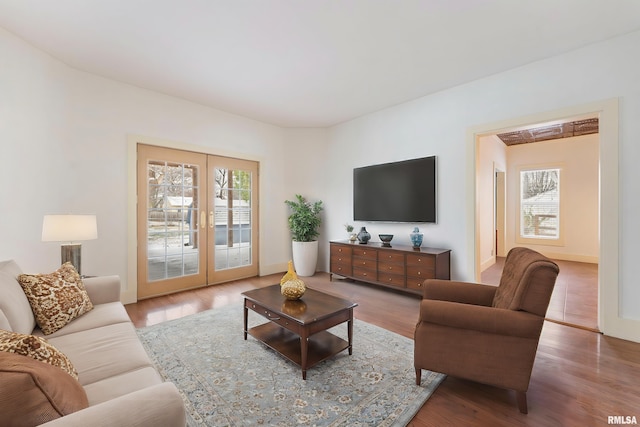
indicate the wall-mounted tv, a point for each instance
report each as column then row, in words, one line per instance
column 402, row 191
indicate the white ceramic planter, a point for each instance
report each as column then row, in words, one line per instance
column 305, row 257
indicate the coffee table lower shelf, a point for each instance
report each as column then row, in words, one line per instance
column 322, row 345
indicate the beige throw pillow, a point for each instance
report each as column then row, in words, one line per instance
column 37, row 348
column 57, row 298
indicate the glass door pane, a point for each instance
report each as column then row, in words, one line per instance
column 171, row 249
column 171, row 208
column 234, row 214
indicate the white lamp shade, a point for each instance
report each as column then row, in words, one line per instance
column 69, row 228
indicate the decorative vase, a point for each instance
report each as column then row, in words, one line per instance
column 363, row 236
column 289, row 275
column 293, row 289
column 416, row 238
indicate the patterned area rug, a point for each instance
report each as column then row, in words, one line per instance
column 227, row 381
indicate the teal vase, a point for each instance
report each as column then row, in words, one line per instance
column 416, row 238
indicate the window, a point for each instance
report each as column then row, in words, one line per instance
column 540, row 203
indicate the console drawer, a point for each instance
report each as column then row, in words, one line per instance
column 421, row 272
column 415, row 283
column 421, row 260
column 341, row 250
column 365, row 253
column 366, row 274
column 391, row 279
column 340, row 260
column 391, row 257
column 341, row 267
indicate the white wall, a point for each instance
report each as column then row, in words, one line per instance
column 306, row 173
column 438, row 125
column 63, row 135
column 579, row 194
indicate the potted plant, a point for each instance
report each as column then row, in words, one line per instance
column 352, row 235
column 304, row 223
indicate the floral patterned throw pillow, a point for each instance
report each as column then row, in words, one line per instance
column 37, row 348
column 56, row 298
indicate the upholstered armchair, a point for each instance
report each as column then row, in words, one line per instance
column 486, row 333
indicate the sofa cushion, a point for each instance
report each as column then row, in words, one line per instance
column 37, row 348
column 101, row 315
column 120, row 385
column 56, row 298
column 13, row 302
column 33, row 392
column 103, row 352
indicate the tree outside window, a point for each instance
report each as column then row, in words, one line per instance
column 540, row 203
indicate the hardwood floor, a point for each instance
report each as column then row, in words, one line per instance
column 579, row 378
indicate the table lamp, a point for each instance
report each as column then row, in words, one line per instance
column 71, row 229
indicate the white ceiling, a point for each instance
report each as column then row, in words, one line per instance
column 309, row 63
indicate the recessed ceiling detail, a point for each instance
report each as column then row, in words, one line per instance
column 546, row 133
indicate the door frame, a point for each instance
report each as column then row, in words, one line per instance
column 129, row 290
column 610, row 319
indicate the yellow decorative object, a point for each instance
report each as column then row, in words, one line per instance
column 289, row 275
column 293, row 289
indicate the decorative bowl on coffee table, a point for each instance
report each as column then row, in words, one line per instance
column 386, row 239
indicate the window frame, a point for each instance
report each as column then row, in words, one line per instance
column 541, row 240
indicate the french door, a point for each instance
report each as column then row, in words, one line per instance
column 197, row 219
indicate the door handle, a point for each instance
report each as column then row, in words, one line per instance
column 203, row 219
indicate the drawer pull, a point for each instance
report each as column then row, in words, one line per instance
column 269, row 316
column 419, row 284
column 390, row 268
column 419, row 273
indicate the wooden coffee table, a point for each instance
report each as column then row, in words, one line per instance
column 298, row 329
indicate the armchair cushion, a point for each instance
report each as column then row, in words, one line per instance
column 527, row 282
column 56, row 298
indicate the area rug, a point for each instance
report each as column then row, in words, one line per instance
column 227, row 381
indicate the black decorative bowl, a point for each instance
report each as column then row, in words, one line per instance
column 386, row 239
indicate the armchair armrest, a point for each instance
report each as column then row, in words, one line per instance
column 462, row 292
column 103, row 289
column 157, row 406
column 497, row 321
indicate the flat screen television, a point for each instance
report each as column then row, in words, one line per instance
column 402, row 191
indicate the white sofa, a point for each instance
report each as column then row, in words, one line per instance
column 122, row 386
